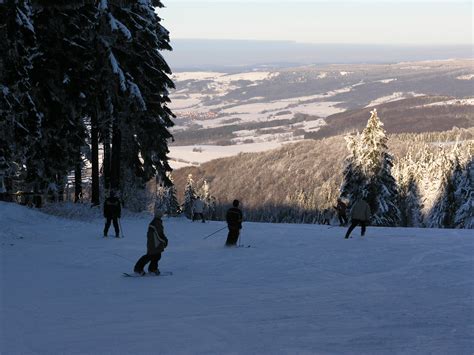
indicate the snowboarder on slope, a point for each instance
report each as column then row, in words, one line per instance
column 156, row 243
column 234, row 223
column 112, row 211
column 360, row 214
column 198, row 209
column 341, row 208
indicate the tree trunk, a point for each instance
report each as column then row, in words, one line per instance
column 78, row 179
column 106, row 161
column 95, row 200
column 115, row 157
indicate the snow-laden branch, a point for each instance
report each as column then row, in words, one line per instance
column 116, row 25
column 117, row 70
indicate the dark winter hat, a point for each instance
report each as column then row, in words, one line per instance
column 235, row 203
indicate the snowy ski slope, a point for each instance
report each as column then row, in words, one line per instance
column 300, row 289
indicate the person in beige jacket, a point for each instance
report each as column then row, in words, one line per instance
column 360, row 214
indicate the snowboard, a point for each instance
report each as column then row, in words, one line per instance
column 163, row 273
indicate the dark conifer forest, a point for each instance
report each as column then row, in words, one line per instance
column 83, row 83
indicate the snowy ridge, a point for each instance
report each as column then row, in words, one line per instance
column 393, row 97
column 301, row 289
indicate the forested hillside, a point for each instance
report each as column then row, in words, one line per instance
column 297, row 182
column 412, row 115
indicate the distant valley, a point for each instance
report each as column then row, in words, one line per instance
column 263, row 109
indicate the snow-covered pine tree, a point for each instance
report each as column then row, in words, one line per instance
column 58, row 77
column 141, row 113
column 189, row 196
column 20, row 119
column 205, row 195
column 354, row 180
column 165, row 198
column 377, row 164
column 464, row 195
column 369, row 170
column 298, row 202
column 455, row 187
column 212, row 208
column 428, row 181
column 412, row 207
column 209, row 200
column 173, row 208
column 442, row 211
column 162, row 202
column 407, row 177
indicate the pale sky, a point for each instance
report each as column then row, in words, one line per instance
column 322, row 21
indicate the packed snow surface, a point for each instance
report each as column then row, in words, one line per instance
column 299, row 289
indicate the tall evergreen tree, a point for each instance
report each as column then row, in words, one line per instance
column 189, row 196
column 20, row 120
column 464, row 195
column 97, row 74
column 142, row 119
column 172, row 197
column 408, row 178
column 60, row 88
column 353, row 177
column 162, row 202
column 454, row 172
column 368, row 172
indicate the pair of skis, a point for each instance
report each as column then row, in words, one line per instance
column 162, row 273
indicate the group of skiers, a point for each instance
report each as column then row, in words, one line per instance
column 157, row 240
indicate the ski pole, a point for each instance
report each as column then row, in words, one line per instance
column 214, row 233
column 121, row 230
column 123, row 257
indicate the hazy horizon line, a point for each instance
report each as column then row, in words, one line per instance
column 322, row 43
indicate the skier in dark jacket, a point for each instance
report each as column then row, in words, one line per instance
column 112, row 211
column 234, row 223
column 341, row 208
column 156, row 243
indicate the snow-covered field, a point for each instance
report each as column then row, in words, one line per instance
column 181, row 156
column 393, row 97
column 463, row 102
column 300, row 289
column 465, row 77
column 185, row 102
